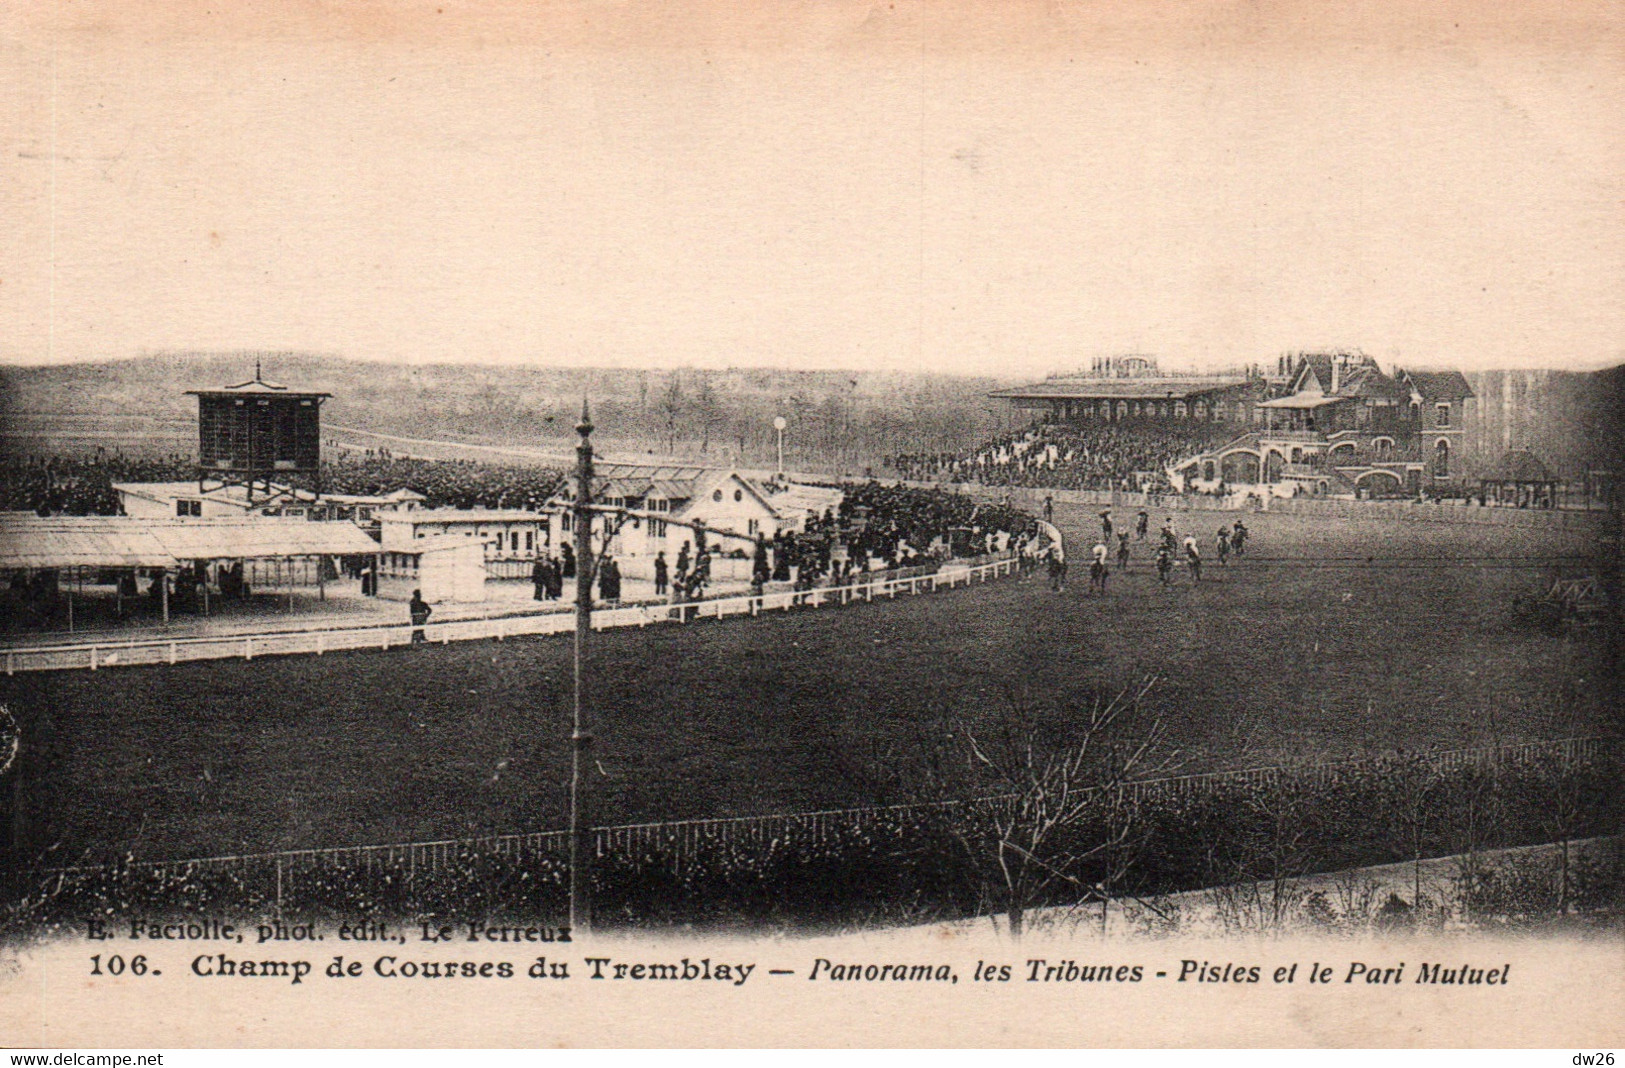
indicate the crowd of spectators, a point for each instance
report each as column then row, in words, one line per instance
column 882, row 527
column 1097, row 456
column 445, row 483
column 83, row 485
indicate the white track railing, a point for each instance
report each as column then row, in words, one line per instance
column 98, row 656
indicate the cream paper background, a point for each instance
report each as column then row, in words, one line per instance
column 187, row 174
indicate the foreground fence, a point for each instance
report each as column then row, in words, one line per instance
column 887, row 585
column 686, row 843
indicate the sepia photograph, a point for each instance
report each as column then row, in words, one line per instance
column 728, row 524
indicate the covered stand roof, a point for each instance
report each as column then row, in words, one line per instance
column 258, row 538
column 30, row 542
column 1118, row 388
column 124, row 541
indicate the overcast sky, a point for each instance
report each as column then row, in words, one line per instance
column 1005, row 189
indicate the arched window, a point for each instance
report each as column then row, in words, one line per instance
column 1201, row 409
column 1122, row 409
column 1441, row 458
column 1179, row 409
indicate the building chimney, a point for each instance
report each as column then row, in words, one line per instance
column 1337, row 373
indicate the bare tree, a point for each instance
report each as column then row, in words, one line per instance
column 1055, row 817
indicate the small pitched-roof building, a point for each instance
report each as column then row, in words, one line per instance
column 735, row 512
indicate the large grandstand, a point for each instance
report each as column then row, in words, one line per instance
column 1321, row 424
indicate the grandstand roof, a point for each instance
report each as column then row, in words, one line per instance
column 125, row 541
column 1118, row 388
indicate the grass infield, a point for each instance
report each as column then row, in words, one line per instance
column 1330, row 639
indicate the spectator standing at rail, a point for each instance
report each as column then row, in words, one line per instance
column 1142, row 525
column 419, row 610
column 1122, row 551
column 1049, row 506
column 567, row 561
column 662, row 573
column 609, row 581
column 1193, row 557
column 1224, row 546
column 540, row 585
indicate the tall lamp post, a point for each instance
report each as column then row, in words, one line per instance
column 779, row 424
column 581, row 835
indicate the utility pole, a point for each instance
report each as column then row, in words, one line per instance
column 582, row 838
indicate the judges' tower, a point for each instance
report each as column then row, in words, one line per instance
column 257, row 431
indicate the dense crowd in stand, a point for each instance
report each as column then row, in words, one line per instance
column 881, row 527
column 83, row 485
column 1097, row 456
column 446, row 483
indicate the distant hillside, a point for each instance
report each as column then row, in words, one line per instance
column 836, row 418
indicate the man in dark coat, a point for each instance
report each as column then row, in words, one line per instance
column 419, row 610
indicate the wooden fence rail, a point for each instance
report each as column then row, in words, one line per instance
column 97, row 656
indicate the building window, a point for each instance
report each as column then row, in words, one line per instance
column 657, row 528
column 1441, row 414
column 716, row 495
column 191, row 508
column 530, row 540
column 753, row 527
column 1441, row 459
column 739, row 495
column 1122, row 409
column 1179, row 409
